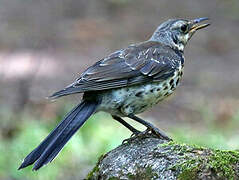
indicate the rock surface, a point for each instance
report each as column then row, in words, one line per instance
column 153, row 158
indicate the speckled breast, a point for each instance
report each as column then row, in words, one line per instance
column 136, row 99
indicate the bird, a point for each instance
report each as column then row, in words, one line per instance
column 125, row 83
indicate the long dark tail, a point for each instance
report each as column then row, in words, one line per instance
column 55, row 141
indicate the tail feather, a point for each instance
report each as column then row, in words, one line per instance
column 36, row 153
column 56, row 140
column 67, row 91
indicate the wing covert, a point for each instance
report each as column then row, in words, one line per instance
column 137, row 64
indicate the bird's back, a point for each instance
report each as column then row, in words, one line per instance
column 144, row 62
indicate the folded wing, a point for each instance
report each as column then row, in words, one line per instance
column 145, row 62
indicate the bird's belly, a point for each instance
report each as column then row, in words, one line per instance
column 136, row 99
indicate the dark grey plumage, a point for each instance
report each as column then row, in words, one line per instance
column 145, row 62
column 125, row 83
column 54, row 142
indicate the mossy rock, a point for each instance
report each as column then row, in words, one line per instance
column 152, row 158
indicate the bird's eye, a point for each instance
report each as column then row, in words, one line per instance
column 184, row 28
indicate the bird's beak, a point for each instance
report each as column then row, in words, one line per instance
column 196, row 26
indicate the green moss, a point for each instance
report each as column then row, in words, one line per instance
column 222, row 162
column 188, row 169
column 147, row 174
column 180, row 146
column 95, row 169
column 90, row 174
column 188, row 174
column 113, row 178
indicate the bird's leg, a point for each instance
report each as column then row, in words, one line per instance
column 136, row 133
column 150, row 127
column 127, row 125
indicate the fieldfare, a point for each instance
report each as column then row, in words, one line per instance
column 125, row 83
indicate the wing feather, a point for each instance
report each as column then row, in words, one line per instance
column 145, row 62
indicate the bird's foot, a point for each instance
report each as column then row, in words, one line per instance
column 158, row 133
column 149, row 132
column 137, row 135
column 151, row 129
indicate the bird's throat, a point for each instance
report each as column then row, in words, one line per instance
column 179, row 46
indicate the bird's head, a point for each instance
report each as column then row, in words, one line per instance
column 177, row 32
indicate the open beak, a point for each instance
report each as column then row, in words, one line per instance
column 196, row 26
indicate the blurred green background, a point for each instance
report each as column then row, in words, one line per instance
column 45, row 45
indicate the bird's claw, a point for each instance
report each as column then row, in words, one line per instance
column 134, row 136
column 158, row 133
column 149, row 132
